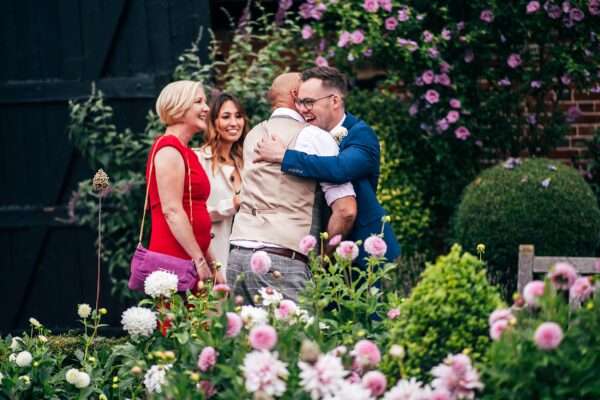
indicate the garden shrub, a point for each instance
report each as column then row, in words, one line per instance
column 540, row 202
column 519, row 366
column 447, row 312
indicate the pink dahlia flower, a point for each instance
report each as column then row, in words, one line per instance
column 260, row 263
column 234, row 324
column 375, row 246
column 307, row 244
column 532, row 292
column 500, row 314
column 348, row 250
column 548, row 336
column 375, row 381
column 498, row 328
column 581, row 290
column 286, row 309
column 263, row 337
column 334, row 241
column 366, row 353
column 393, row 313
column 207, row 358
column 562, row 275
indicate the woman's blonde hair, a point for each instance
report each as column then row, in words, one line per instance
column 175, row 99
column 213, row 138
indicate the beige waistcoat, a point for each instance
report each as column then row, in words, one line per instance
column 275, row 208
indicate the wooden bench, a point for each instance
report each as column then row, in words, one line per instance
column 530, row 264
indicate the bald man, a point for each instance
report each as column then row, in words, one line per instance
column 277, row 209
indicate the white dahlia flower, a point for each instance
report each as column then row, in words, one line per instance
column 156, row 377
column 270, row 296
column 351, row 391
column 84, row 310
column 24, row 359
column 324, row 378
column 139, row 321
column 253, row 316
column 15, row 343
column 82, row 380
column 71, row 375
column 264, row 372
column 161, row 283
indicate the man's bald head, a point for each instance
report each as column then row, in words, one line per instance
column 282, row 88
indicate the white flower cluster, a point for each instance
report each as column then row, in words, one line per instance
column 139, row 321
column 408, row 390
column 253, row 316
column 324, row 378
column 161, row 284
column 15, row 343
column 84, row 310
column 78, row 378
column 264, row 372
column 156, row 377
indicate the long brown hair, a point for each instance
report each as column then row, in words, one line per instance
column 213, row 138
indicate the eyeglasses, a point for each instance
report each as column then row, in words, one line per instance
column 309, row 103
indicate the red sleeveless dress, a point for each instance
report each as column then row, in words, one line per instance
column 161, row 238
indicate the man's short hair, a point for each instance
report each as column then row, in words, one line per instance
column 331, row 78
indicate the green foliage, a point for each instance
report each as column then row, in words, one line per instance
column 516, row 368
column 505, row 207
column 593, row 167
column 447, row 312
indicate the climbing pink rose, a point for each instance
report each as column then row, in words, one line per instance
column 462, row 133
column 432, row 96
column 532, row 7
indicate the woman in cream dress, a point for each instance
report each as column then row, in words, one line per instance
column 222, row 159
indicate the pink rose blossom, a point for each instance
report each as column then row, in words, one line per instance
column 594, row 7
column 532, row 292
column 334, row 241
column 443, row 79
column 432, row 96
column 260, row 262
column 514, row 60
column 307, row 32
column 462, row 133
column 345, row 38
column 565, row 79
column 413, row 110
column 358, row 36
column 427, row 36
column 446, row 34
column 487, row 16
column 321, row 61
column 576, row 15
column 500, row 314
column 234, row 324
column 427, row 77
column 375, row 246
column 393, row 313
column 386, row 5
column 263, row 337
column 498, row 328
column 371, row 6
column 433, row 52
column 207, row 358
column 581, row 290
column 455, row 103
column 403, row 14
column 442, row 125
column 391, row 23
column 285, row 310
column 548, row 336
column 411, row 45
column 533, row 7
column 452, row 116
column 348, row 250
column 307, row 244
column 374, row 381
column 444, row 67
column 366, row 353
column 562, row 275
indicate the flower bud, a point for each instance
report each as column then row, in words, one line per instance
column 195, row 377
column 276, row 274
column 361, row 333
column 136, row 370
column 115, row 379
column 100, row 181
column 481, row 248
column 309, row 351
column 103, row 311
column 239, row 300
column 397, row 351
column 92, row 359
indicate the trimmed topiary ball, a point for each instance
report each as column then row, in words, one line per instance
column 537, row 201
column 446, row 313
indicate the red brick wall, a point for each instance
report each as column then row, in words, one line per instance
column 583, row 128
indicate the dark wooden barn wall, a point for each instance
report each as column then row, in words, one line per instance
column 51, row 51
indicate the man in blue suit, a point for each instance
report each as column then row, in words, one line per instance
column 320, row 100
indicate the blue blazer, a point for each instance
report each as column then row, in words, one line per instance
column 358, row 161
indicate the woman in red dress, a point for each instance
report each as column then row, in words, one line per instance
column 177, row 177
